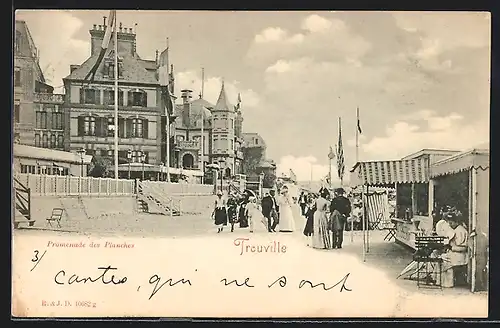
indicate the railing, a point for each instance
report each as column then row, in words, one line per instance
column 55, row 185
column 49, row 97
column 158, row 199
column 23, row 198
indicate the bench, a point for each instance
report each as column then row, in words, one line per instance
column 56, row 216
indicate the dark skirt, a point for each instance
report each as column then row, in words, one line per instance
column 242, row 215
column 232, row 215
column 309, row 228
column 220, row 216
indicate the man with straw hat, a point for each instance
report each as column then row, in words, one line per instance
column 340, row 209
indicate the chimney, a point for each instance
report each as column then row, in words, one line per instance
column 72, row 68
column 186, row 106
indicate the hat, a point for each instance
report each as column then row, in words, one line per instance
column 219, row 193
column 340, row 190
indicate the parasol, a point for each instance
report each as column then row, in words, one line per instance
column 412, row 267
column 249, row 193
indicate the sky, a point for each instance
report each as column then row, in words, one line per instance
column 419, row 79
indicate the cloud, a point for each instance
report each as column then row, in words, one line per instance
column 281, row 66
column 405, row 137
column 60, row 50
column 315, row 23
column 321, row 38
column 192, row 80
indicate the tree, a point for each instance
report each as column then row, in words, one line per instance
column 100, row 167
column 252, row 156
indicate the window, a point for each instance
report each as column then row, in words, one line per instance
column 90, row 96
column 87, row 126
column 17, row 77
column 41, row 119
column 16, row 113
column 37, row 140
column 53, row 141
column 256, row 141
column 137, row 128
column 109, row 68
column 137, row 156
column 110, row 97
column 31, row 169
column 60, row 141
column 111, row 127
column 137, row 98
column 232, row 144
column 57, row 121
column 45, row 141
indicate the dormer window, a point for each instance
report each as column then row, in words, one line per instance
column 109, row 67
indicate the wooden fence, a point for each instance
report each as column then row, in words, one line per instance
column 54, row 185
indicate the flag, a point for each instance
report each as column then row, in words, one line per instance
column 359, row 124
column 340, row 154
column 168, row 100
column 238, row 105
column 104, row 46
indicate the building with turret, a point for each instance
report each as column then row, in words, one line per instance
column 222, row 130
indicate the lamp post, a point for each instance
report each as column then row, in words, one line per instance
column 143, row 160
column 129, row 158
column 261, row 183
column 162, row 165
column 81, row 152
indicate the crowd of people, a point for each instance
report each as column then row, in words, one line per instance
column 274, row 213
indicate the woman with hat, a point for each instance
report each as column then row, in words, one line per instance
column 286, row 217
column 321, row 235
column 220, row 213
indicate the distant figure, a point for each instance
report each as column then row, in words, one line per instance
column 219, row 213
column 340, row 209
column 270, row 210
column 256, row 221
column 232, row 207
column 310, row 210
column 321, row 236
column 302, row 203
column 286, row 218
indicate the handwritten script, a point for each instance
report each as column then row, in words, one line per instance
column 109, row 275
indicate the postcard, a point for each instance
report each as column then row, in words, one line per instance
column 217, row 164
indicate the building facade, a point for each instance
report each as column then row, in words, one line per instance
column 90, row 107
column 221, row 130
column 254, row 144
column 37, row 112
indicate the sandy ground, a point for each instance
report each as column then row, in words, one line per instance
column 383, row 263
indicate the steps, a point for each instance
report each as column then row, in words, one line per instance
column 151, row 198
column 22, row 204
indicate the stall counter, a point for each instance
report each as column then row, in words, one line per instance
column 406, row 230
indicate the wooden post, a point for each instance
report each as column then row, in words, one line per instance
column 363, row 218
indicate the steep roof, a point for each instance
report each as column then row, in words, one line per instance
column 222, row 103
column 28, row 47
column 135, row 70
column 195, row 112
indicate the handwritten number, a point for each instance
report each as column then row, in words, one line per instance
column 37, row 259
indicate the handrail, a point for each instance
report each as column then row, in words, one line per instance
column 22, row 187
column 156, row 193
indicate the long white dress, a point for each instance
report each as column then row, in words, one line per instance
column 286, row 219
column 256, row 221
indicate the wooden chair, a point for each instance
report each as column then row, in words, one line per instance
column 56, row 216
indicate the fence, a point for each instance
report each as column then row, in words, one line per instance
column 54, row 185
column 181, row 188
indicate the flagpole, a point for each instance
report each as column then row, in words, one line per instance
column 202, row 139
column 340, row 136
column 116, row 95
column 357, row 134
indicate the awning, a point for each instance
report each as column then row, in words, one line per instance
column 387, row 173
column 477, row 158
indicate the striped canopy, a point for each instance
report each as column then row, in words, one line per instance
column 385, row 173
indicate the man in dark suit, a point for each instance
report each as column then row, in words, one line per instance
column 270, row 210
column 302, row 203
column 340, row 209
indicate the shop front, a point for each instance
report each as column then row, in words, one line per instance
column 463, row 181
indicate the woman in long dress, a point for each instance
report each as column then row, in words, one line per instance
column 309, row 214
column 286, row 218
column 256, row 221
column 321, row 236
column 220, row 213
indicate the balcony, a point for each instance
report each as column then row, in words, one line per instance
column 188, row 145
column 49, row 98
